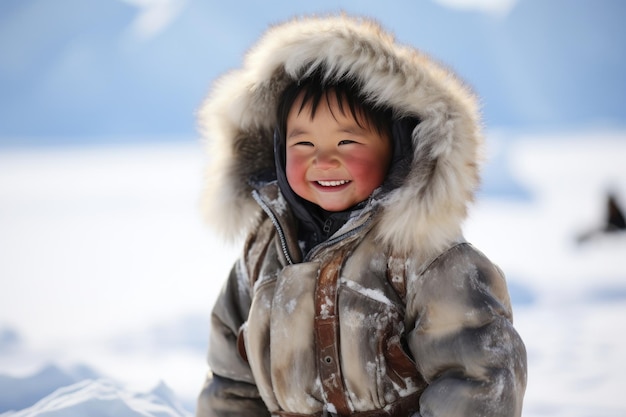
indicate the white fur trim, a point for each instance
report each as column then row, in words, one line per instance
column 426, row 213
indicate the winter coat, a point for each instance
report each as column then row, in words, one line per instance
column 395, row 312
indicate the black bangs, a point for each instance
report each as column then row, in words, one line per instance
column 316, row 88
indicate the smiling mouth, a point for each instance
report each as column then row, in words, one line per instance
column 334, row 183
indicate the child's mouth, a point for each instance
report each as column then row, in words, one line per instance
column 333, row 183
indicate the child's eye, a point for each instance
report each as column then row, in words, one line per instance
column 346, row 142
column 304, row 143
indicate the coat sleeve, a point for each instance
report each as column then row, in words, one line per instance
column 463, row 339
column 229, row 389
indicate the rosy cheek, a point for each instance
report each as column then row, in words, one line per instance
column 295, row 170
column 361, row 165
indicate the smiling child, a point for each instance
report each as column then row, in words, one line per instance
column 348, row 162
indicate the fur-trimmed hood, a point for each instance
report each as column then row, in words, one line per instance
column 239, row 117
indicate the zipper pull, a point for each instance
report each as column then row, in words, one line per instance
column 327, row 226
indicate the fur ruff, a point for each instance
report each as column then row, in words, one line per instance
column 425, row 214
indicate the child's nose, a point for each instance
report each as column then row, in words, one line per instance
column 326, row 159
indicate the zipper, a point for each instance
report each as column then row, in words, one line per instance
column 318, row 248
column 276, row 223
column 327, row 243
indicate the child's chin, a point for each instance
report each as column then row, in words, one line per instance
column 334, row 207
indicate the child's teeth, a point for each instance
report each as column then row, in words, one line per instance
column 331, row 183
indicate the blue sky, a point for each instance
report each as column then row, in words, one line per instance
column 129, row 70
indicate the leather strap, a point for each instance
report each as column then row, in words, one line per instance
column 327, row 344
column 327, row 335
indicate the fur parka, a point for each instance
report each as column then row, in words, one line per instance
column 408, row 283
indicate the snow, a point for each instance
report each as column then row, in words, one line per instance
column 368, row 292
column 569, row 299
column 107, row 274
column 103, row 398
column 105, row 261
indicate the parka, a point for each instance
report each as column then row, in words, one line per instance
column 395, row 314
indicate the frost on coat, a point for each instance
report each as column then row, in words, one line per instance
column 424, row 318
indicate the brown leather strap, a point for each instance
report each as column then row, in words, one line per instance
column 327, row 335
column 327, row 345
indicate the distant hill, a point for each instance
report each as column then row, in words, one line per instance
column 73, row 69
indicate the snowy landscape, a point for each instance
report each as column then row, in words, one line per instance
column 108, row 272
column 108, row 275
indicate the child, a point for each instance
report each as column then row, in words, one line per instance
column 348, row 162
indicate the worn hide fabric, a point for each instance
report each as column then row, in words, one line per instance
column 422, row 314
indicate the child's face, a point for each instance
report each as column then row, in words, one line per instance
column 331, row 160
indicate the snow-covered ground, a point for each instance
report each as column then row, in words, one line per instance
column 107, row 274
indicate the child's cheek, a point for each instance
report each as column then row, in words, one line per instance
column 295, row 170
column 365, row 167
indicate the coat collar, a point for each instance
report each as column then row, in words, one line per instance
column 273, row 203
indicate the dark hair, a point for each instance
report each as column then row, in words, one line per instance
column 317, row 87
